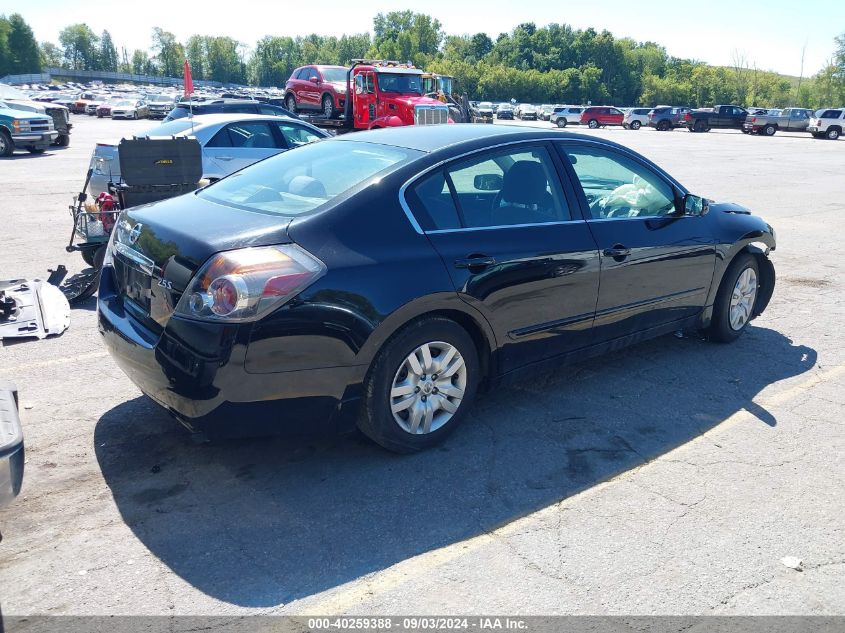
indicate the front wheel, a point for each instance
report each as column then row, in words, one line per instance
column 290, row 102
column 593, row 124
column 420, row 386
column 7, row 147
column 735, row 300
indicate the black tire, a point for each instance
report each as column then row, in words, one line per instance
column 88, row 255
column 561, row 122
column 327, row 104
column 63, row 140
column 290, row 102
column 769, row 130
column 700, row 126
column 376, row 419
column 664, row 126
column 833, row 133
column 720, row 329
column 7, row 147
column 636, row 125
column 593, row 124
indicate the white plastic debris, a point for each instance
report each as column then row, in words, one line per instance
column 793, row 562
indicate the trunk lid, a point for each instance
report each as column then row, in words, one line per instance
column 159, row 247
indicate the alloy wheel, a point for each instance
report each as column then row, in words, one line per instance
column 428, row 388
column 743, row 298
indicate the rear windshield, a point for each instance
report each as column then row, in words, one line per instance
column 299, row 181
column 171, row 128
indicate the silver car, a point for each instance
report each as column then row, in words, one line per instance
column 229, row 142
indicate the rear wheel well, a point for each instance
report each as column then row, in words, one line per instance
column 468, row 323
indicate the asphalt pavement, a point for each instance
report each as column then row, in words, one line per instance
column 671, row 478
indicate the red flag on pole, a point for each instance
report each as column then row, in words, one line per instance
column 189, row 82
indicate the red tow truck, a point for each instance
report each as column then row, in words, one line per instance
column 383, row 94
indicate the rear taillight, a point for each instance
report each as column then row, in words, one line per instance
column 246, row 284
column 687, row 116
column 754, row 119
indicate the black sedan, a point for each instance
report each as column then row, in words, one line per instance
column 385, row 277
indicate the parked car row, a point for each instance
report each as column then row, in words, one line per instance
column 825, row 123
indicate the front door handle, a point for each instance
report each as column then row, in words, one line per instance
column 225, row 158
column 617, row 251
column 475, row 261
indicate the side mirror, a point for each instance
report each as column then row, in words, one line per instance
column 695, row 205
column 315, row 80
column 488, row 182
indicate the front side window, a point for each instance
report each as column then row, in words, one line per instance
column 296, row 135
column 504, row 188
column 617, row 187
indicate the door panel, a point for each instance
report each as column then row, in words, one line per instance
column 505, row 230
column 656, row 265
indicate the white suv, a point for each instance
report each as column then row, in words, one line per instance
column 827, row 124
column 635, row 118
column 563, row 116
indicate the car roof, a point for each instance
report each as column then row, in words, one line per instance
column 432, row 138
column 228, row 117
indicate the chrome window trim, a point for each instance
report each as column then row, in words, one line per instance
column 502, row 226
column 413, row 220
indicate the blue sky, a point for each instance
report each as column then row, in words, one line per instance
column 712, row 35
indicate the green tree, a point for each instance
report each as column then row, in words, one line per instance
column 5, row 54
column 195, row 51
column 142, row 64
column 51, row 55
column 169, row 54
column 24, row 54
column 406, row 36
column 107, row 56
column 79, row 44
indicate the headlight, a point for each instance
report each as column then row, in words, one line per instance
column 246, row 284
column 17, row 125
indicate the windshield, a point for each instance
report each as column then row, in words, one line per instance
column 8, row 92
column 296, row 182
column 125, row 104
column 171, row 128
column 394, row 82
column 485, row 104
column 159, row 99
column 334, row 74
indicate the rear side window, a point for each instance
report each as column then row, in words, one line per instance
column 433, row 204
column 247, row 135
column 831, row 114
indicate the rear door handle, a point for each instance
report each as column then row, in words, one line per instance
column 475, row 261
column 617, row 251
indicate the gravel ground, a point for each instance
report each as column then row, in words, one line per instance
column 669, row 479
